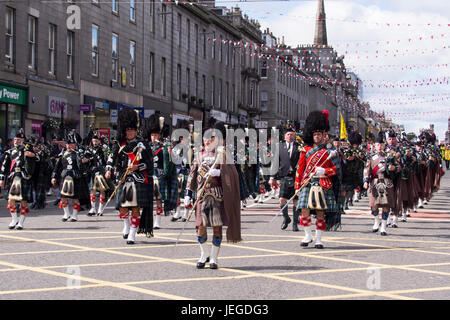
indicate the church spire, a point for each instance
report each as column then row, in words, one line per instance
column 320, row 37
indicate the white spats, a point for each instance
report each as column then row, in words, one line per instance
column 21, row 221
column 214, row 254
column 383, row 228
column 126, row 227
column 14, row 220
column 66, row 213
column 376, row 224
column 132, row 235
column 308, row 235
column 157, row 224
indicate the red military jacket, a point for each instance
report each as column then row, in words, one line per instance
column 311, row 158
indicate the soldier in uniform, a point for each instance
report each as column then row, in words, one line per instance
column 68, row 174
column 378, row 175
column 183, row 174
column 131, row 160
column 156, row 129
column 314, row 177
column 97, row 164
column 15, row 175
column 216, row 183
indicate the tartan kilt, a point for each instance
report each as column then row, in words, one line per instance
column 162, row 188
column 80, row 191
column 27, row 189
column 287, row 189
column 143, row 194
column 171, row 200
column 329, row 197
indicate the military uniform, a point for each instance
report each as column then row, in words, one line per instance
column 15, row 174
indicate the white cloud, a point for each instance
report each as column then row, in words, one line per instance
column 296, row 22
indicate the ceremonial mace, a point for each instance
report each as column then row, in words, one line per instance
column 332, row 155
column 200, row 193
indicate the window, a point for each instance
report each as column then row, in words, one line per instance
column 264, row 69
column 164, row 20
column 115, row 6
column 196, row 38
column 94, row 49
column 220, row 94
column 213, row 90
column 220, row 49
column 133, row 10
column 188, row 26
column 227, row 56
column 152, row 16
column 179, row 82
column 204, row 44
column 10, row 35
column 163, row 76
column 196, row 84
column 252, row 93
column 69, row 52
column 227, row 94
column 213, row 47
column 115, row 57
column 180, row 27
column 233, row 58
column 188, row 81
column 152, row 72
column 264, row 99
column 132, row 63
column 204, row 88
column 32, row 42
column 233, row 99
column 51, row 48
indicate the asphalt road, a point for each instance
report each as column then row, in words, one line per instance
column 88, row 259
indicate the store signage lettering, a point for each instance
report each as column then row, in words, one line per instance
column 56, row 106
column 12, row 95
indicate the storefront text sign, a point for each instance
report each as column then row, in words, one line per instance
column 13, row 95
column 57, row 105
column 85, row 107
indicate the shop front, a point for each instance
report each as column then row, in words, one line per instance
column 13, row 101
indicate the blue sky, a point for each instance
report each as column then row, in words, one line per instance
column 356, row 26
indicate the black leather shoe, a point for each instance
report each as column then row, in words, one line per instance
column 305, row 244
column 383, row 234
column 213, row 266
column 394, row 226
column 295, row 227
column 130, row 242
column 374, row 230
column 184, row 220
column 19, row 228
column 63, row 219
column 174, row 219
column 125, row 236
column 318, row 246
column 201, row 265
column 285, row 223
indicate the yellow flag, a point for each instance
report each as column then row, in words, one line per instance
column 343, row 129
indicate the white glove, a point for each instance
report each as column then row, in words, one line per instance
column 187, row 201
column 320, row 171
column 381, row 168
column 214, row 172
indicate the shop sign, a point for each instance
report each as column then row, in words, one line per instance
column 104, row 132
column 13, row 95
column 101, row 106
column 221, row 116
column 196, row 114
column 56, row 106
column 85, row 107
column 177, row 116
column 261, row 124
column 113, row 116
